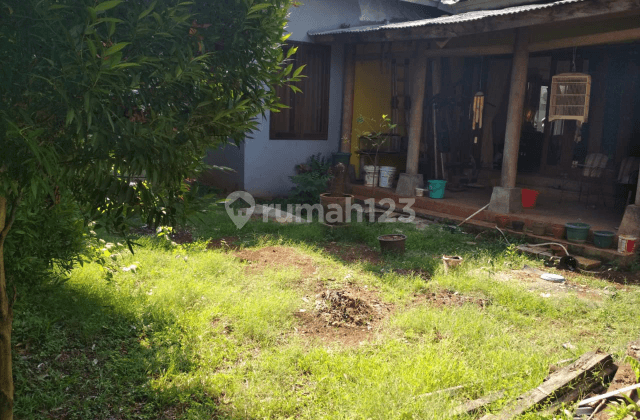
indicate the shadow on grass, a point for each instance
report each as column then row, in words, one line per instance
column 75, row 358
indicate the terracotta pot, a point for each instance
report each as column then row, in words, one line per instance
column 392, row 243
column 502, row 221
column 338, row 215
column 558, row 231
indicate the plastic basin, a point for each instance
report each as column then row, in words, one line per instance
column 577, row 232
column 603, row 238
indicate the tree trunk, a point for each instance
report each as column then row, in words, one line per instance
column 6, row 318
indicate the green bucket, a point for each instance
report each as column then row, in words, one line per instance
column 603, row 238
column 436, row 188
column 577, row 232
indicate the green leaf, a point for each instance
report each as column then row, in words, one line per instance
column 115, row 48
column 107, row 5
column 258, row 7
column 149, row 10
column 92, row 47
column 70, row 115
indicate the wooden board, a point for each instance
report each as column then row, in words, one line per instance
column 472, row 406
column 558, row 383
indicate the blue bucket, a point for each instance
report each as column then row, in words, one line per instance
column 436, row 188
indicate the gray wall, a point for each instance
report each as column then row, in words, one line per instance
column 270, row 163
column 230, row 156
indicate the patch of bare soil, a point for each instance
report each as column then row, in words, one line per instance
column 448, row 298
column 224, row 243
column 619, row 277
column 353, row 253
column 348, row 316
column 277, row 257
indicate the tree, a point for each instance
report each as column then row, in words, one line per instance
column 117, row 102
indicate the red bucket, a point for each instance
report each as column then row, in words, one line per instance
column 529, row 198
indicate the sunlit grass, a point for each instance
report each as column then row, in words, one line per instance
column 196, row 333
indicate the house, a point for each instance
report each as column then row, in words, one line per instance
column 262, row 165
column 424, row 63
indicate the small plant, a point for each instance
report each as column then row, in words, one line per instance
column 312, row 179
column 376, row 134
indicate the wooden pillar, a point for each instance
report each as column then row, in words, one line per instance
column 517, row 92
column 436, row 79
column 415, row 121
column 347, row 97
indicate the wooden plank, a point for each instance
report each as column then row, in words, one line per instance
column 472, row 406
column 557, row 383
column 582, row 389
column 608, row 395
column 347, row 98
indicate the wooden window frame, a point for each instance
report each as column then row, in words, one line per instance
column 307, row 117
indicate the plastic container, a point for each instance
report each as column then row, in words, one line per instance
column 577, row 232
column 529, row 198
column 627, row 243
column 419, row 192
column 436, row 188
column 603, row 238
column 371, row 179
column 387, row 175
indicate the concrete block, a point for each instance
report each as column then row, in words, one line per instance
column 408, row 183
column 631, row 221
column 506, row 200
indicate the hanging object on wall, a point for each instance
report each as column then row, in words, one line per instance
column 569, row 99
column 478, row 109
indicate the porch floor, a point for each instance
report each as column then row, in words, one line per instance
column 457, row 206
column 549, row 210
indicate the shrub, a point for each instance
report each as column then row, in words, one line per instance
column 311, row 179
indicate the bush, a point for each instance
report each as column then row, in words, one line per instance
column 44, row 236
column 311, row 179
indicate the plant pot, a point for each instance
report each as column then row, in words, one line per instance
column 451, row 261
column 333, row 215
column 517, row 225
column 603, row 238
column 502, row 221
column 558, row 231
column 392, row 243
column 538, row 228
column 577, row 232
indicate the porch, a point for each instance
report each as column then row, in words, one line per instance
column 434, row 78
column 549, row 210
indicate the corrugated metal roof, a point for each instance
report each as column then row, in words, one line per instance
column 445, row 20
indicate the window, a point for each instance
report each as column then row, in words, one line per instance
column 307, row 117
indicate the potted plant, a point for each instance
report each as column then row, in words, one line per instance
column 336, row 204
column 379, row 133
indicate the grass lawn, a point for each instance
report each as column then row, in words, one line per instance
column 299, row 321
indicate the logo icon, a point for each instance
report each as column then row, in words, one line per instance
column 240, row 215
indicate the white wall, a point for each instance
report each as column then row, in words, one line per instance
column 270, row 163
